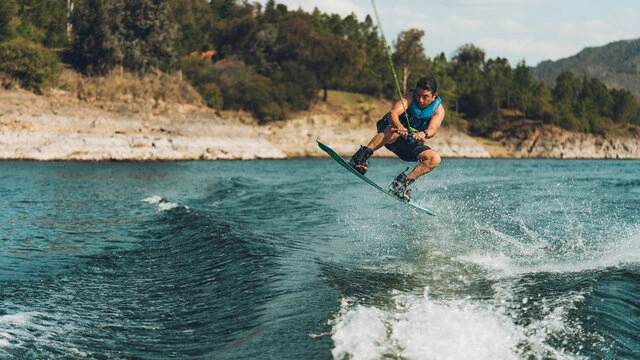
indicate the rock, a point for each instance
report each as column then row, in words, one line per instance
column 553, row 142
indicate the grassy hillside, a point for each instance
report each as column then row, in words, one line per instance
column 616, row 64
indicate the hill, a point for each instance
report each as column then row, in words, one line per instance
column 616, row 64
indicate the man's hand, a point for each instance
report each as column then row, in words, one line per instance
column 419, row 136
column 402, row 132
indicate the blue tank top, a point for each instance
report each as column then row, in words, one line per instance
column 420, row 118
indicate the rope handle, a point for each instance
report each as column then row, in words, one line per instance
column 410, row 132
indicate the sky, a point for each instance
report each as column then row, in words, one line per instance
column 529, row 30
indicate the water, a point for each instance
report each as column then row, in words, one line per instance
column 526, row 259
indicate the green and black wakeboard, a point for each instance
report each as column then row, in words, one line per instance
column 346, row 165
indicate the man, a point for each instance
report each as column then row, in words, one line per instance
column 406, row 137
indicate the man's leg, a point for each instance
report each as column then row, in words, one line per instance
column 427, row 161
column 383, row 138
column 359, row 160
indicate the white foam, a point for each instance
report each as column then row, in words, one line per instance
column 360, row 334
column 163, row 205
column 14, row 327
column 18, row 319
column 27, row 328
column 539, row 258
column 153, row 199
column 457, row 330
column 420, row 328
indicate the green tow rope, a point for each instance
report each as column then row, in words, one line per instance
column 393, row 69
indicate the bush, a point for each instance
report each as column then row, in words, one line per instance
column 34, row 65
column 236, row 86
column 211, row 94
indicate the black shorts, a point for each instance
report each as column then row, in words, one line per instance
column 401, row 147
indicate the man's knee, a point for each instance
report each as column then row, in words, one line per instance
column 430, row 158
column 436, row 159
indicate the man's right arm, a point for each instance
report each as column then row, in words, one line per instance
column 398, row 109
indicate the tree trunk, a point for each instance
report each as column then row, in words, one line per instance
column 405, row 78
column 69, row 12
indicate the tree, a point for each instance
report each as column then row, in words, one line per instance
column 596, row 98
column 273, row 13
column 375, row 72
column 194, row 22
column 334, row 60
column 298, row 85
column 222, row 8
column 135, row 34
column 470, row 55
column 466, row 65
column 408, row 53
column 69, row 27
column 8, row 9
column 146, row 36
column 523, row 88
column 44, row 22
column 566, row 95
column 498, row 81
column 234, row 33
column 596, row 104
column 625, row 107
column 330, row 54
column 541, row 102
column 188, row 11
column 294, row 33
column 465, row 69
column 95, row 49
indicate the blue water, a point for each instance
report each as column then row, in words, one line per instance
column 298, row 259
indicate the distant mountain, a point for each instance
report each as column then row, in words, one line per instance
column 616, row 64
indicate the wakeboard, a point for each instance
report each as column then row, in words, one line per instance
column 346, row 165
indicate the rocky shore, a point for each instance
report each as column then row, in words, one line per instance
column 59, row 126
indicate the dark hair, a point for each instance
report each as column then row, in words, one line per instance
column 428, row 83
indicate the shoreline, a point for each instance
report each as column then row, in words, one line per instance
column 61, row 127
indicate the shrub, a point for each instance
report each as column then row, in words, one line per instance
column 34, row 65
column 211, row 94
column 236, row 86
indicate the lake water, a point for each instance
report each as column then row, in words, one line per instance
column 298, row 259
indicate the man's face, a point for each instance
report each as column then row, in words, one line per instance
column 424, row 97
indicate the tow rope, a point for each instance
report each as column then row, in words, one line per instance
column 393, row 69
